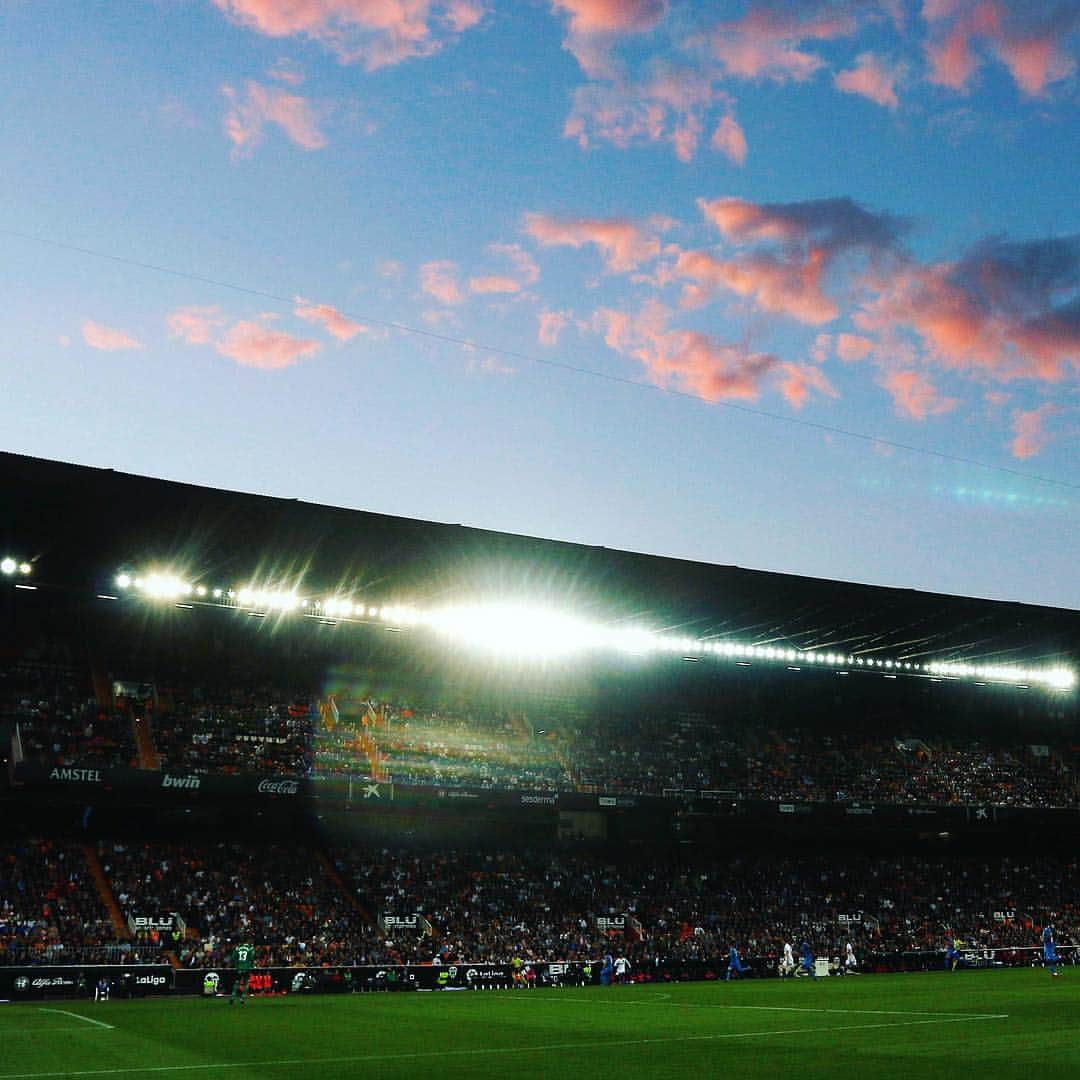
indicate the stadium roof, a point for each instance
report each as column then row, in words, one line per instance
column 80, row 525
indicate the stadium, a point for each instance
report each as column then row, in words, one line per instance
column 597, row 793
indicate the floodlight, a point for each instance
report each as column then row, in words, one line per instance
column 201, row 590
column 216, row 594
column 8, row 566
column 123, row 581
column 25, row 568
column 517, row 630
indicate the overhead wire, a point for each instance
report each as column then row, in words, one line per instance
column 532, row 358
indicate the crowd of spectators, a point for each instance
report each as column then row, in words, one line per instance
column 59, row 719
column 280, row 898
column 545, row 906
column 302, row 909
column 238, row 731
column 50, row 909
column 292, row 732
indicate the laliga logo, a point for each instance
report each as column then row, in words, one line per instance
column 278, row 787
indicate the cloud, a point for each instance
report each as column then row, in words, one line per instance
column 261, row 105
column 552, row 324
column 1029, row 39
column 765, row 42
column 871, row 78
column 797, row 243
column 915, row 396
column 1007, row 309
column 376, row 33
column 330, row 319
column 1029, row 436
column 494, row 283
column 730, row 139
column 830, row 224
column 439, row 279
column 684, row 360
column 785, row 287
column 670, row 104
column 623, row 244
column 852, row 347
column 525, row 271
column 798, row 380
column 595, row 26
column 195, row 325
column 249, row 342
column 253, row 344
column 107, row 338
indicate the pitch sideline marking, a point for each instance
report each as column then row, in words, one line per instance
column 78, row 1016
column 490, row 1050
column 803, row 1009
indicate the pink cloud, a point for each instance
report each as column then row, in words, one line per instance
column 871, row 78
column 1035, row 62
column 330, row 319
column 252, row 344
column 1029, row 436
column 462, row 15
column 377, row 33
column 915, row 396
column 195, row 325
column 790, row 288
column 623, row 244
column 595, row 26
column 1029, row 39
column 685, row 360
column 799, row 380
column 673, row 105
column 494, row 283
column 611, row 16
column 730, row 139
column 523, row 265
column 107, row 338
column 261, row 105
column 764, row 43
column 851, row 347
column 831, row 224
column 439, row 279
column 1007, row 309
column 552, row 324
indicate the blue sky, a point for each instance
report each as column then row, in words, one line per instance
column 789, row 286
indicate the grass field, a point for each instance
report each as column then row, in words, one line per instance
column 1017, row 1023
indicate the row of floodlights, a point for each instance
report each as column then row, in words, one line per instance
column 10, row 566
column 527, row 630
column 168, row 587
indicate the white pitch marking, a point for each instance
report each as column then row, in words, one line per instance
column 78, row 1016
column 797, row 1009
column 489, row 1050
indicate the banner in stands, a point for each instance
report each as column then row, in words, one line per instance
column 179, row 784
column 125, row 981
column 386, row 977
column 144, row 781
column 411, row 924
column 163, row 923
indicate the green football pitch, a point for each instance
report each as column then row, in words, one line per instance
column 1018, row 1023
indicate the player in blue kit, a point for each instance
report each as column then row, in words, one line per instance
column 735, row 965
column 1050, row 953
column 806, row 966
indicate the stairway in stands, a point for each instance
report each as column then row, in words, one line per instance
column 144, row 742
column 101, row 882
column 338, row 882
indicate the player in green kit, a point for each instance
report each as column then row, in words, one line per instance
column 243, row 961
